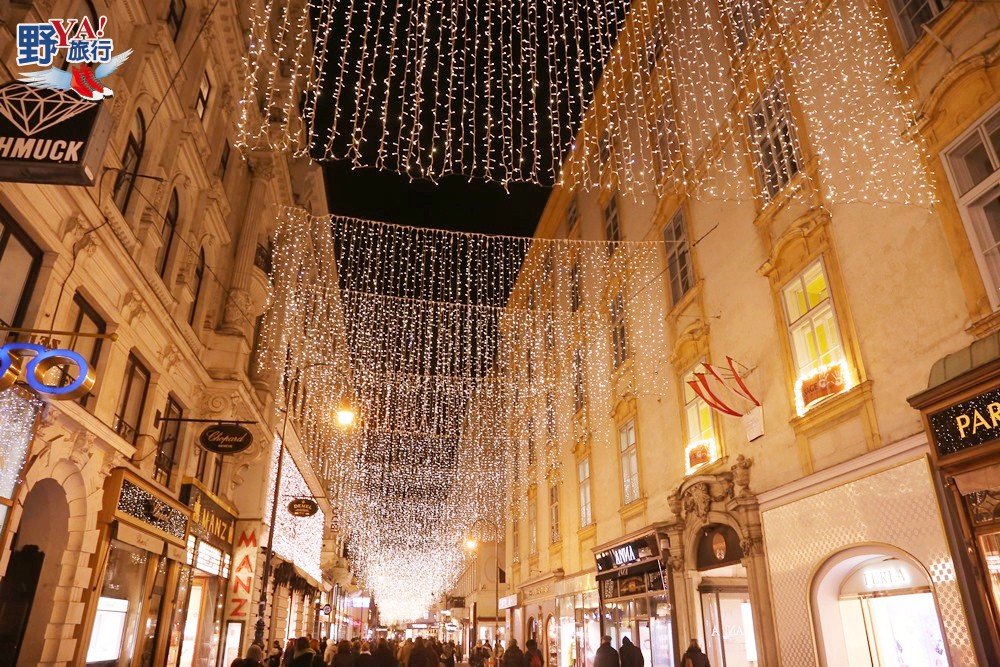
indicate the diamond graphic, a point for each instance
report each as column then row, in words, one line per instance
column 32, row 110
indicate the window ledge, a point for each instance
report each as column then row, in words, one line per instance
column 784, row 197
column 633, row 509
column 555, row 547
column 586, row 532
column 685, row 301
column 985, row 325
column 832, row 408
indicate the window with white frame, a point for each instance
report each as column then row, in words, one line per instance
column 812, row 321
column 667, row 145
column 629, row 460
column 554, row 512
column 746, row 18
column 204, row 95
column 679, row 269
column 583, row 480
column 974, row 168
column 912, row 15
column 619, row 334
column 612, row 224
column 702, row 446
column 572, row 213
column 532, row 448
column 532, row 526
column 579, row 380
column 515, row 538
column 772, row 133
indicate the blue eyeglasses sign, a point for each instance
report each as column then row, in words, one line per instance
column 40, row 361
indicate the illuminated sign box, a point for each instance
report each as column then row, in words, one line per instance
column 967, row 424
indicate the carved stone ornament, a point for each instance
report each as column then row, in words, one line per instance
column 741, row 475
column 675, row 563
column 693, row 500
column 133, row 307
column 752, row 546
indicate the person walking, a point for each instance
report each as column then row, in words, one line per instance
column 513, row 656
column 254, row 658
column 448, row 656
column 419, row 654
column 606, row 655
column 403, row 656
column 630, row 654
column 305, row 656
column 274, row 657
column 532, row 656
column 344, row 657
column 382, row 655
column 364, row 658
column 693, row 657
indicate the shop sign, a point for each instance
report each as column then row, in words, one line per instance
column 456, row 603
column 226, row 438
column 718, row 546
column 245, row 565
column 827, row 381
column 626, row 554
column 210, row 521
column 966, row 424
column 40, row 361
column 147, row 508
column 303, row 507
column 327, row 609
column 885, row 578
column 52, row 126
column 138, row 538
column 508, row 601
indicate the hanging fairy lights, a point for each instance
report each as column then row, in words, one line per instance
column 650, row 95
column 462, row 354
column 297, row 539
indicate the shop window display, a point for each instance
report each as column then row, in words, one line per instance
column 119, row 607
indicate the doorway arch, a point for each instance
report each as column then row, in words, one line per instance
column 35, row 569
column 876, row 592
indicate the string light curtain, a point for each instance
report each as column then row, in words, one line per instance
column 464, row 355
column 664, row 94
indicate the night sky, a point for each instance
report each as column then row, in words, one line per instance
column 453, row 203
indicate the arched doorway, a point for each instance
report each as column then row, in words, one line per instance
column 532, row 629
column 551, row 641
column 726, row 615
column 874, row 606
column 28, row 592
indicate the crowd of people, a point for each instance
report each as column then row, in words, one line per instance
column 431, row 652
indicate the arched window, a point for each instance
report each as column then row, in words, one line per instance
column 167, row 233
column 131, row 159
column 199, row 278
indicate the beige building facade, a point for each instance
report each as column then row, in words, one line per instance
column 808, row 530
column 124, row 542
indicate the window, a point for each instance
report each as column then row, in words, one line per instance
column 131, row 159
column 175, row 16
column 911, row 15
column 679, row 268
column 974, row 167
column 167, row 234
column 574, row 285
column 812, row 324
column 224, row 159
column 199, row 279
column 572, row 214
column 746, row 17
column 532, row 526
column 550, row 416
column 604, row 147
column 579, row 381
column 204, row 94
column 583, row 479
column 667, row 146
column 532, row 449
column 701, row 444
column 554, row 512
column 85, row 320
column 166, row 446
column 619, row 338
column 630, row 461
column 132, row 401
column 612, row 228
column 19, row 262
column 770, row 128
column 209, row 470
column 515, row 538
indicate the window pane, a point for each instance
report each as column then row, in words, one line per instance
column 986, row 218
column 16, row 265
column 973, row 163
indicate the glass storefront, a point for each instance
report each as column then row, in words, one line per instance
column 196, row 631
column 119, row 606
column 647, row 623
column 728, row 626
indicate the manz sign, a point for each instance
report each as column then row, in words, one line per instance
column 303, row 507
column 225, row 438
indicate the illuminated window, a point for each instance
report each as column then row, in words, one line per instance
column 554, row 513
column 974, row 167
column 619, row 335
column 912, row 15
column 209, row 470
column 629, row 460
column 583, row 479
column 701, row 444
column 679, row 269
column 812, row 324
column 515, row 538
column 771, row 131
column 532, row 526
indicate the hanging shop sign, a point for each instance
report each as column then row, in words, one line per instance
column 303, row 507
column 718, row 545
column 210, row 521
column 245, row 550
column 33, row 362
column 972, row 422
column 327, row 609
column 53, row 128
column 226, row 438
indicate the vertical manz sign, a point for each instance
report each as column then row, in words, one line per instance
column 50, row 136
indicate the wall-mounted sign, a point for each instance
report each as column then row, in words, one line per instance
column 626, row 554
column 210, row 521
column 34, row 362
column 966, row 424
column 508, row 601
column 718, row 545
column 327, row 609
column 244, row 567
column 303, row 507
column 226, row 438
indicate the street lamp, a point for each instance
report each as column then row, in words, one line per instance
column 345, row 416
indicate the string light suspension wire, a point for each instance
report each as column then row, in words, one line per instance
column 463, row 354
column 650, row 95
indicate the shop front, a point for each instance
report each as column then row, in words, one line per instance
column 197, row 632
column 538, row 614
column 961, row 413
column 143, row 536
column 634, row 596
column 579, row 628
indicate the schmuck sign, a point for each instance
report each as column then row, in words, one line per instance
column 225, row 438
column 303, row 507
column 33, row 362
